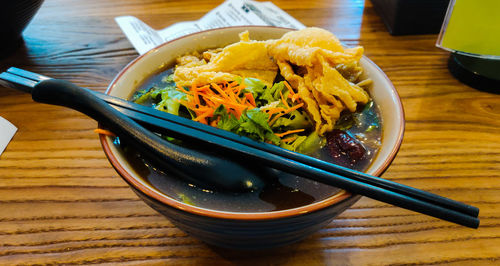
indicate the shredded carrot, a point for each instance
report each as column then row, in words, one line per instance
column 231, row 95
column 244, row 100
column 275, row 110
column 230, row 85
column 238, row 112
column 182, row 89
column 204, row 115
column 215, row 122
column 274, row 119
column 279, row 111
column 211, row 104
column 284, row 101
column 250, row 98
column 202, row 88
column 295, row 107
column 293, row 95
column 239, row 88
column 289, row 87
column 290, row 139
column 289, row 132
column 195, row 94
column 286, row 112
column 219, row 90
column 233, row 105
column 104, row 132
column 204, row 100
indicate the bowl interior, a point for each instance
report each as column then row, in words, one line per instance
column 382, row 91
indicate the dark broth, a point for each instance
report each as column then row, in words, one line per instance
column 284, row 192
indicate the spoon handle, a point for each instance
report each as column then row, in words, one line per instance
column 206, row 169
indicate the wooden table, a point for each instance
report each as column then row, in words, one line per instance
column 62, row 202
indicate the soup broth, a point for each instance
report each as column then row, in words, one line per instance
column 362, row 128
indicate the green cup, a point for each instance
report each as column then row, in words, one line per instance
column 471, row 32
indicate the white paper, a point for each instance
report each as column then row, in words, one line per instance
column 7, row 131
column 229, row 13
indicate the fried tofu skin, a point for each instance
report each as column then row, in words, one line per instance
column 312, row 60
column 239, row 60
column 308, row 59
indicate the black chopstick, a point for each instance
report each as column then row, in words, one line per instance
column 294, row 167
column 17, row 82
column 292, row 162
column 355, row 175
column 298, row 168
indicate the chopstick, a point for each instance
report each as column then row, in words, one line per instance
column 131, row 109
column 284, row 163
column 285, row 160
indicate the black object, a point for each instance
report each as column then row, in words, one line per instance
column 209, row 170
column 14, row 17
column 404, row 17
column 267, row 154
column 479, row 73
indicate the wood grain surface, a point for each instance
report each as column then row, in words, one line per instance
column 62, row 203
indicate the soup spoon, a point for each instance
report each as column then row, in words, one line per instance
column 207, row 169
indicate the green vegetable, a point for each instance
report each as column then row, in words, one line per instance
column 227, row 121
column 312, row 143
column 254, row 86
column 259, row 118
column 294, row 120
column 262, row 94
column 346, row 121
column 170, row 98
column 252, row 124
column 273, row 94
column 295, row 144
column 367, row 106
column 143, row 96
column 154, row 93
column 371, row 128
column 169, row 78
column 272, row 138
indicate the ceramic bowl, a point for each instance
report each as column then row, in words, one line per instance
column 245, row 230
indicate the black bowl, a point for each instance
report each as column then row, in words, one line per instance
column 14, row 17
column 246, row 229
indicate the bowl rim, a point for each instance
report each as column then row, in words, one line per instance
column 270, row 215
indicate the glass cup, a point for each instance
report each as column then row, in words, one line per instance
column 471, row 32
